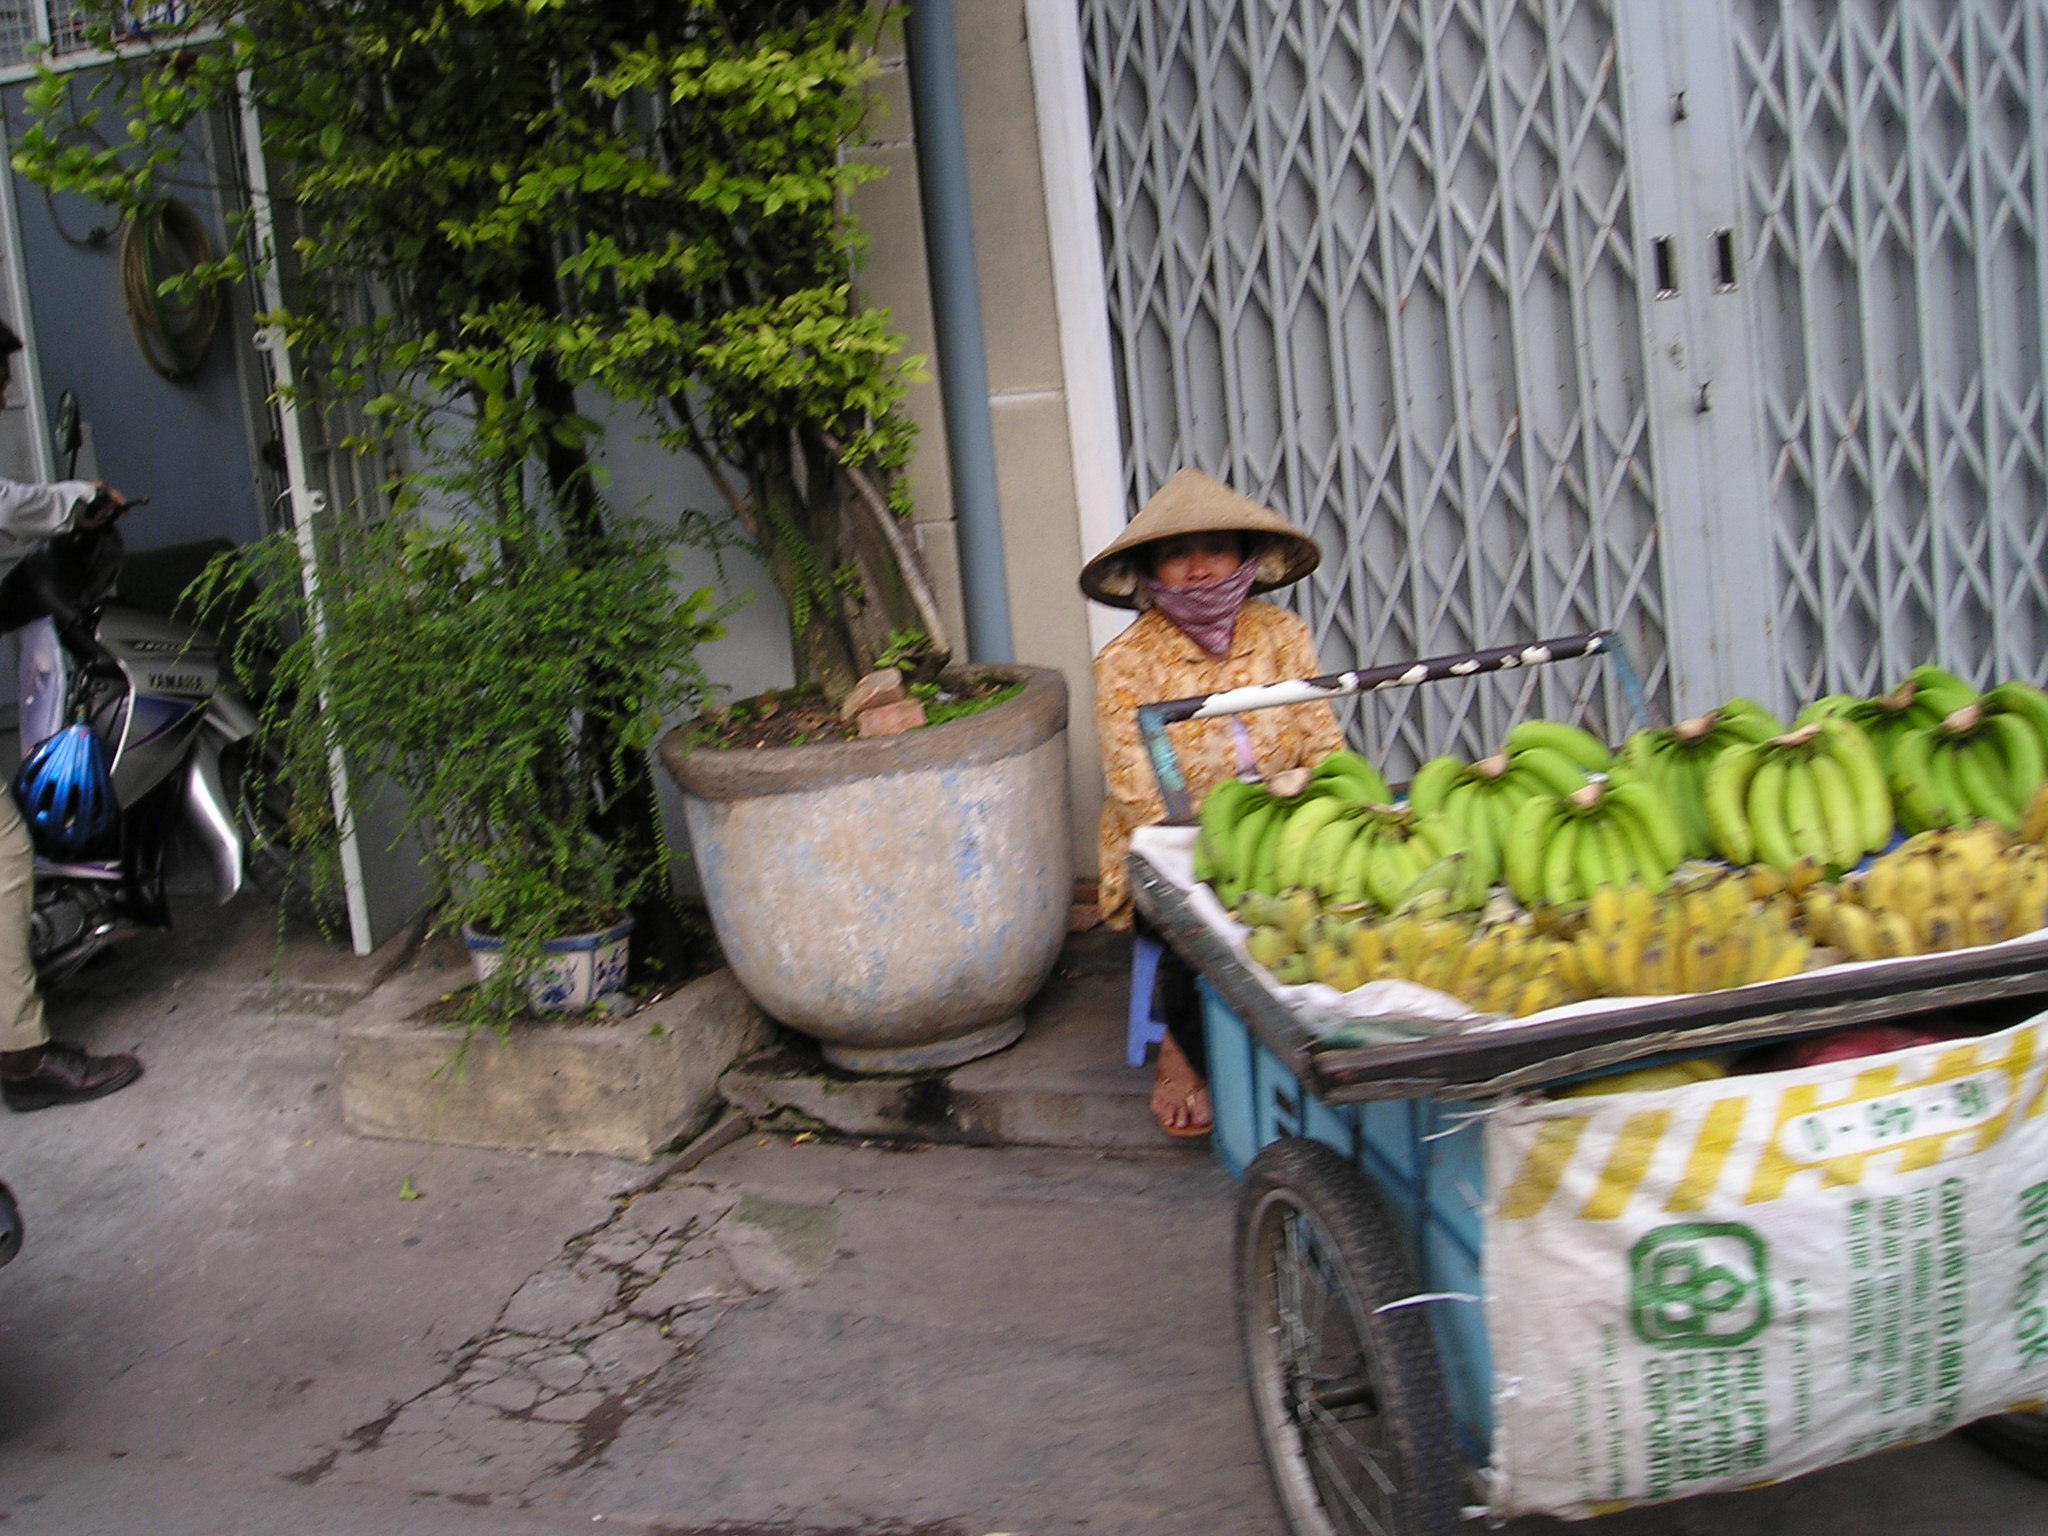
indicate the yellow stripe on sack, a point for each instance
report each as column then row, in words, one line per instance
column 1626, row 1164
column 1774, row 1168
column 2019, row 1056
column 1718, row 1130
column 1542, row 1167
column 2016, row 1063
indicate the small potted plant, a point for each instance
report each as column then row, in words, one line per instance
column 505, row 684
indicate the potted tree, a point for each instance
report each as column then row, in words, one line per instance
column 640, row 200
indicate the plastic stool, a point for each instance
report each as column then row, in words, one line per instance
column 1142, row 1031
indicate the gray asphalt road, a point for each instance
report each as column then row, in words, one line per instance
column 228, row 1321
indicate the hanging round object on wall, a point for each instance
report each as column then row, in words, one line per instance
column 81, row 222
column 162, row 241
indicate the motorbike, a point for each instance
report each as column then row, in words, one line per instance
column 178, row 740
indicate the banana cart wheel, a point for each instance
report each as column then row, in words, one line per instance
column 1348, row 1398
column 2020, row 1439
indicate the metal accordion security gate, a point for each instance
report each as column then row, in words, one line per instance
column 1719, row 322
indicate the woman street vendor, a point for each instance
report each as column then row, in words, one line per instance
column 1191, row 562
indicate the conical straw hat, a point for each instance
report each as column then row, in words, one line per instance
column 1192, row 502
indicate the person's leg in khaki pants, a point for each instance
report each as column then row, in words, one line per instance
column 21, row 1006
column 34, row 1073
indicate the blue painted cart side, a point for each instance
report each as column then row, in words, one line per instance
column 1424, row 1157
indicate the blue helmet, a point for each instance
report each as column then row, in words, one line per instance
column 66, row 795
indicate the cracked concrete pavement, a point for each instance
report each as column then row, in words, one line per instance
column 226, row 1311
column 228, row 1320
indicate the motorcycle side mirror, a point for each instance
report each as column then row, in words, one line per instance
column 68, row 430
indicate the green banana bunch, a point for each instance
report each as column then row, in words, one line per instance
column 2028, row 704
column 1936, row 694
column 1349, row 777
column 1253, row 840
column 1544, row 759
column 1978, row 763
column 1475, row 799
column 1400, row 856
column 1817, row 794
column 1580, row 747
column 1233, row 820
column 1480, row 801
column 1674, row 761
column 1607, row 833
column 1882, row 718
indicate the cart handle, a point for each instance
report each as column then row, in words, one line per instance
column 1153, row 719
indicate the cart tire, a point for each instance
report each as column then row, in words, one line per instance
column 2020, row 1439
column 1373, row 1453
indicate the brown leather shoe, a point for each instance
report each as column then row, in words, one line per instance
column 64, row 1074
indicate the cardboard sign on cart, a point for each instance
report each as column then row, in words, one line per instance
column 1741, row 1280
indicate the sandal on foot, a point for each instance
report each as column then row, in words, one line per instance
column 1187, row 1100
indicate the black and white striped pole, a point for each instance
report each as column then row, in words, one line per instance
column 1153, row 719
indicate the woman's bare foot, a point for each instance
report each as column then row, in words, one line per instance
column 1180, row 1099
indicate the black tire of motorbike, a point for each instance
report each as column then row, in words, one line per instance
column 286, row 876
column 2018, row 1439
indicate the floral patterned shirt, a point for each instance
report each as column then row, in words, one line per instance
column 1153, row 661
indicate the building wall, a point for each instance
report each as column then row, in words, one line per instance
column 664, row 488
column 1041, row 538
column 185, row 444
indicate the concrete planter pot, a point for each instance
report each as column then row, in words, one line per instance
column 622, row 1088
column 898, row 899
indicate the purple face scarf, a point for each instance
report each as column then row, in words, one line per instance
column 1206, row 612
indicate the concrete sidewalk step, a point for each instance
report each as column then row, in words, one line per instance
column 1063, row 1085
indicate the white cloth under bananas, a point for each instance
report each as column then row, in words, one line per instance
column 1385, row 1010
column 1378, row 1011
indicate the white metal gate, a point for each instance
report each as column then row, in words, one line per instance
column 1894, row 185
column 1720, row 323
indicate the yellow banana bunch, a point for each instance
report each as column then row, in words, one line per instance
column 1422, row 949
column 1509, row 968
column 1706, row 937
column 1271, row 947
column 1939, row 890
column 2034, row 820
column 2027, row 897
